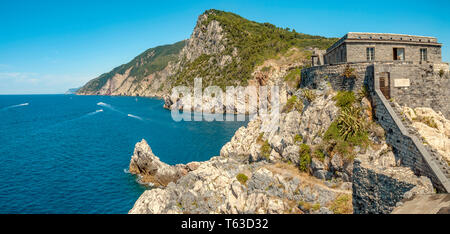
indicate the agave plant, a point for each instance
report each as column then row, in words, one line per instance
column 349, row 122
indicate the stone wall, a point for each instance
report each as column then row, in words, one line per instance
column 337, row 55
column 378, row 191
column 333, row 73
column 419, row 85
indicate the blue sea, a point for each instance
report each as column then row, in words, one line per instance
column 70, row 154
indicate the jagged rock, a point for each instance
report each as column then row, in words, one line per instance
column 337, row 163
column 213, row 188
column 433, row 127
column 323, row 174
column 316, row 164
column 291, row 153
column 274, row 156
column 243, row 140
column 151, row 170
column 167, row 102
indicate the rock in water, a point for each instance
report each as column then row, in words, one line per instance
column 150, row 168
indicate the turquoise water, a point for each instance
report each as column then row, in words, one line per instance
column 69, row 154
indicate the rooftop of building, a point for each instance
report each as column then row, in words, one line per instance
column 384, row 37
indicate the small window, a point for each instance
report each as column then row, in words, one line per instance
column 370, row 52
column 423, row 54
column 399, row 54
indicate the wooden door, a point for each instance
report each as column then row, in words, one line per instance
column 385, row 82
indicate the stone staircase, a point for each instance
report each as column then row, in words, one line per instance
column 436, row 157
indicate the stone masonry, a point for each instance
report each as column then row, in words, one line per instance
column 353, row 47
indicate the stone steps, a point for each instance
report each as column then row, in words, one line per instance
column 437, row 158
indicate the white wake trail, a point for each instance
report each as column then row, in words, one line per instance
column 95, row 112
column 134, row 116
column 19, row 105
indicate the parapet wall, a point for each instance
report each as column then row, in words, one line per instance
column 312, row 76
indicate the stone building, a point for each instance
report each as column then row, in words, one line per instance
column 397, row 70
column 383, row 47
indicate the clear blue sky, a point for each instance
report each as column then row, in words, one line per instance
column 51, row 46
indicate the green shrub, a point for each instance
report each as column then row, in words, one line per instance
column 363, row 93
column 293, row 75
column 265, row 150
column 316, row 207
column 298, row 139
column 441, row 73
column 242, row 178
column 305, row 157
column 260, row 140
column 349, row 72
column 344, row 98
column 319, row 154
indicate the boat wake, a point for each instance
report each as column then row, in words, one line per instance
column 104, row 104
column 14, row 106
column 134, row 116
column 95, row 112
column 118, row 111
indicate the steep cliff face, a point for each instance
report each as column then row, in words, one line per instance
column 224, row 49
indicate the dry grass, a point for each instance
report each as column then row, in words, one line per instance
column 342, row 204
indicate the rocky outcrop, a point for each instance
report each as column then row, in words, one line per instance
column 433, row 127
column 425, row 204
column 214, row 187
column 244, row 179
column 151, row 170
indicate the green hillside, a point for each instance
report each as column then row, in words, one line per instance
column 255, row 42
column 152, row 60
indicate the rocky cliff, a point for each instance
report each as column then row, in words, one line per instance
column 304, row 166
column 224, row 49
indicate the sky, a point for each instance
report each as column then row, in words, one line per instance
column 47, row 47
